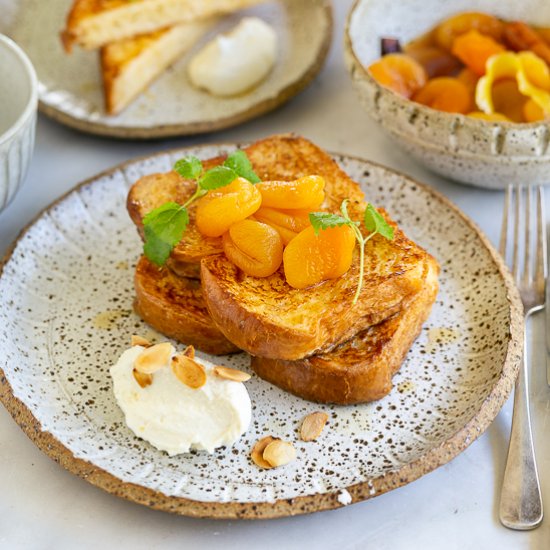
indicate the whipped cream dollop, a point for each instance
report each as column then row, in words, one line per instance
column 176, row 418
column 237, row 61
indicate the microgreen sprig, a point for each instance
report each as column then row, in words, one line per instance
column 374, row 223
column 164, row 226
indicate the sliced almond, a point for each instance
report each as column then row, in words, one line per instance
column 143, row 379
column 279, row 453
column 189, row 351
column 257, row 454
column 313, row 425
column 140, row 341
column 154, row 358
column 231, row 374
column 189, row 372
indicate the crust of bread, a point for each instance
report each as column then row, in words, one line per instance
column 95, row 23
column 360, row 369
column 174, row 306
column 129, row 66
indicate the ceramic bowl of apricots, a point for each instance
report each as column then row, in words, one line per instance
column 462, row 86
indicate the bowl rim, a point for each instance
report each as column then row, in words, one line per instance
column 469, row 121
column 32, row 103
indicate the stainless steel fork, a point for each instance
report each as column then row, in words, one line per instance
column 520, row 499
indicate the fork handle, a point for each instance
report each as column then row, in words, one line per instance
column 520, row 499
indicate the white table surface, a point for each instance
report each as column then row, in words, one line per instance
column 455, row 507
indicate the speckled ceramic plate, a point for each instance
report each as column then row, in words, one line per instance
column 66, row 315
column 70, row 88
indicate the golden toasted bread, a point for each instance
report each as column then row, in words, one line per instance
column 174, row 306
column 131, row 65
column 280, row 157
column 95, row 23
column 360, row 369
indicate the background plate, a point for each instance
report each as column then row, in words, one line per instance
column 66, row 315
column 70, row 89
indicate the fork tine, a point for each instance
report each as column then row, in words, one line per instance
column 540, row 265
column 515, row 262
column 504, row 228
column 525, row 278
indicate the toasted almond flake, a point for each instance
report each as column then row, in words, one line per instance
column 154, row 358
column 140, row 341
column 279, row 453
column 189, row 351
column 313, row 425
column 231, row 374
column 257, row 454
column 143, row 379
column 189, row 372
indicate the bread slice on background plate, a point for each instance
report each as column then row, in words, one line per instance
column 129, row 66
column 95, row 23
column 174, row 307
column 361, row 369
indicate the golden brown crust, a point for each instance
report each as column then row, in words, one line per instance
column 174, row 306
column 360, row 369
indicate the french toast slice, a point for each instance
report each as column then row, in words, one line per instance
column 360, row 369
column 268, row 318
column 95, row 23
column 279, row 157
column 174, row 306
column 129, row 66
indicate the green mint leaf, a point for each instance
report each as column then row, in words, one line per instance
column 189, row 167
column 375, row 223
column 156, row 249
column 217, row 177
column 164, row 227
column 324, row 220
column 240, row 163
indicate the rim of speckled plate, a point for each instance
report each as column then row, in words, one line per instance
column 437, row 456
column 188, row 129
column 467, row 121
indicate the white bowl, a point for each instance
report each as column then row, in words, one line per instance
column 18, row 100
column 487, row 154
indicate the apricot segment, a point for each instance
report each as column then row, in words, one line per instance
column 446, row 32
column 254, row 247
column 220, row 208
column 307, row 192
column 288, row 223
column 474, row 49
column 399, row 72
column 445, row 94
column 310, row 259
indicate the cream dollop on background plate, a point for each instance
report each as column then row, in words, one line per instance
column 176, row 418
column 235, row 62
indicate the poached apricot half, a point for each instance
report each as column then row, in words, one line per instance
column 288, row 223
column 303, row 193
column 220, row 208
column 254, row 247
column 399, row 72
column 309, row 258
